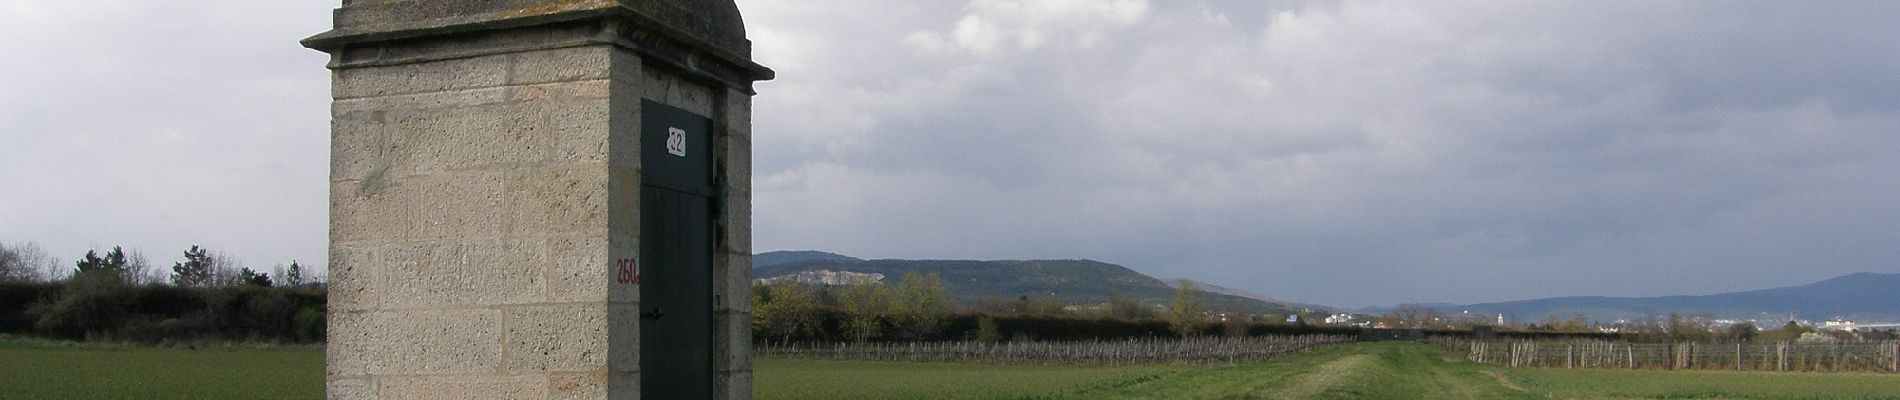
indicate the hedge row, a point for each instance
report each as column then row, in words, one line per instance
column 108, row 310
column 829, row 326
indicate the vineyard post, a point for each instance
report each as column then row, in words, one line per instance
column 1673, row 357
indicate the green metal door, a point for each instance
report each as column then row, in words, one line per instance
column 676, row 240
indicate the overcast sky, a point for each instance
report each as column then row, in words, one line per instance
column 1346, row 153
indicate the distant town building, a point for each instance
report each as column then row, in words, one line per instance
column 825, row 277
column 1838, row 325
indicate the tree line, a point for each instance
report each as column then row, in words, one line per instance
column 1651, row 327
column 917, row 308
column 118, row 295
column 199, row 267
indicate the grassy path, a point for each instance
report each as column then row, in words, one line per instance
column 1365, row 371
column 1321, row 379
column 1360, row 371
column 784, row 379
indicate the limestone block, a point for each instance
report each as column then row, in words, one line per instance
column 578, row 386
column 434, row 274
column 667, row 88
column 352, row 278
column 421, row 101
column 348, row 342
column 732, row 282
column 358, row 146
column 738, row 224
column 443, row 75
column 627, row 67
column 349, row 389
column 624, row 200
column 415, row 342
column 732, row 341
column 565, row 337
column 466, row 138
column 557, row 199
column 579, row 268
column 735, row 385
column 624, row 386
column 583, row 129
column 738, row 109
column 399, row 141
column 433, row 207
column 562, row 65
column 623, row 341
column 572, row 90
column 464, row 387
column 738, row 167
column 623, row 121
column 624, row 247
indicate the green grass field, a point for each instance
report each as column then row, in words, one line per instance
column 1611, row 384
column 36, row 370
column 843, row 380
column 31, row 370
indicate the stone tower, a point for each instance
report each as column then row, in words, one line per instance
column 540, row 199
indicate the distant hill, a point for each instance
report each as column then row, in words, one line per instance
column 782, row 257
column 1213, row 288
column 1863, row 296
column 1077, row 282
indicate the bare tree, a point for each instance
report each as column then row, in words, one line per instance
column 12, row 267
column 26, row 262
column 224, row 270
column 138, row 269
column 866, row 304
column 279, row 273
column 1412, row 316
column 792, row 310
column 921, row 303
column 56, row 270
column 1188, row 313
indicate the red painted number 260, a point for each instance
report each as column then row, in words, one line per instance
column 629, row 271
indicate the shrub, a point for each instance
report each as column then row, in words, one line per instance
column 18, row 298
column 92, row 305
column 308, row 325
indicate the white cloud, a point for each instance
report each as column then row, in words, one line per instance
column 990, row 27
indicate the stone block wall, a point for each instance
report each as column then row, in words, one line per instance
column 476, row 205
column 485, row 185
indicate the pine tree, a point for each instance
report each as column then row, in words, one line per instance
column 253, row 278
column 92, row 263
column 195, row 271
column 294, row 275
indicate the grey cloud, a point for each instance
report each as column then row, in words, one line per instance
column 158, row 125
column 1350, row 153
column 1365, row 152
